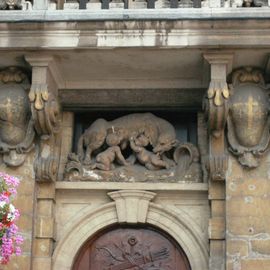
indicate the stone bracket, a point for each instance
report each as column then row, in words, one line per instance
column 216, row 109
column 43, row 95
column 132, row 205
column 46, row 112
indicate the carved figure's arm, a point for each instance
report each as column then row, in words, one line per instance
column 134, row 147
column 119, row 156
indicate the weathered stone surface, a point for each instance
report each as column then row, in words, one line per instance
column 252, row 264
column 261, row 246
column 247, row 217
column 237, row 247
column 218, row 208
column 45, row 227
column 42, row 263
column 217, row 228
column 217, row 255
column 42, row 247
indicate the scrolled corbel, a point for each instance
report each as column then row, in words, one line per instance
column 45, row 109
column 216, row 108
column 47, row 115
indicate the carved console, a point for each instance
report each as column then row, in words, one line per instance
column 248, row 119
column 216, row 106
column 135, row 147
column 46, row 114
column 16, row 123
column 243, row 109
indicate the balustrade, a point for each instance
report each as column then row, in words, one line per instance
column 127, row 4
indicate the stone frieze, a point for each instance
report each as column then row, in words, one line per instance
column 135, row 147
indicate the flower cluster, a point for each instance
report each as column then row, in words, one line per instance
column 10, row 240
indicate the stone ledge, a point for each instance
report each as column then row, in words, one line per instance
column 136, row 14
column 203, row 187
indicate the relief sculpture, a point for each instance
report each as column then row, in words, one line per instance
column 134, row 147
column 248, row 119
column 16, row 124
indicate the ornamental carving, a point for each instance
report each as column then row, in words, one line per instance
column 10, row 4
column 216, row 108
column 16, row 124
column 135, row 147
column 45, row 109
column 248, row 119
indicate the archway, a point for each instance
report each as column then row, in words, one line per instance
column 130, row 207
column 131, row 247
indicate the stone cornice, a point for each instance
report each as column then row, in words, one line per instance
column 202, row 32
column 138, row 14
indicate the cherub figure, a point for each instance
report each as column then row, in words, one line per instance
column 152, row 161
column 105, row 159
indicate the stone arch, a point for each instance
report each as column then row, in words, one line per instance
column 178, row 226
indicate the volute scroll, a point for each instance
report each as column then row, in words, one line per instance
column 46, row 113
column 216, row 108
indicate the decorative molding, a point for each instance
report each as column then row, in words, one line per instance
column 43, row 94
column 47, row 115
column 248, row 120
column 216, row 109
column 17, row 126
column 132, row 205
column 89, row 221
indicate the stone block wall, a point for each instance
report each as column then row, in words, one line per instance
column 248, row 216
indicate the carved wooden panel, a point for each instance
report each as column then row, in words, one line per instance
column 133, row 249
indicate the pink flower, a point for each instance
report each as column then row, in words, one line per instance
column 18, row 251
column 10, row 241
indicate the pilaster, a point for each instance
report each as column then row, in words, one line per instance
column 216, row 110
column 47, row 116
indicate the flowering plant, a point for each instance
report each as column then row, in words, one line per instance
column 10, row 240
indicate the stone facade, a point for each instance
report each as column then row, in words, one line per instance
column 210, row 193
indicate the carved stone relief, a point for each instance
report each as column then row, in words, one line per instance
column 248, row 119
column 46, row 114
column 16, row 123
column 135, row 147
column 216, row 107
column 10, row 4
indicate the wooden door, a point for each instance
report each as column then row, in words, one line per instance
column 133, row 249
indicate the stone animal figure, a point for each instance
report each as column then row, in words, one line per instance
column 160, row 132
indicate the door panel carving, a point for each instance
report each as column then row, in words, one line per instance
column 133, row 249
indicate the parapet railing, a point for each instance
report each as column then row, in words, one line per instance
column 126, row 4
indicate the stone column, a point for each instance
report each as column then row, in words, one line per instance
column 216, row 109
